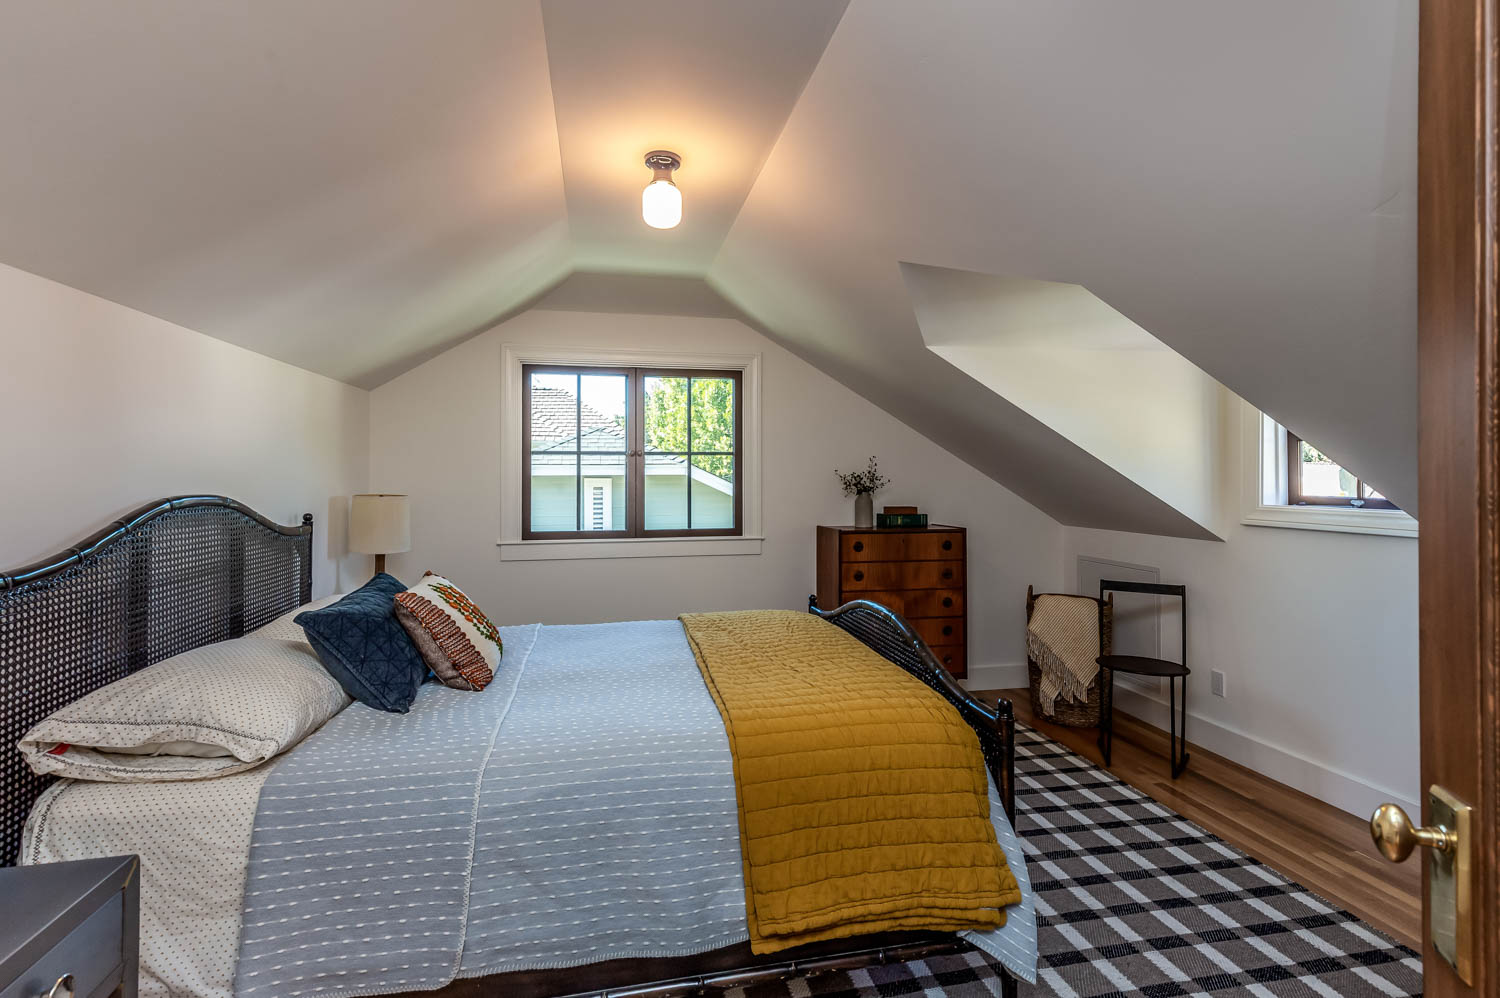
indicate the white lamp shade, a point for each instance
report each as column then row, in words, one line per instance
column 661, row 204
column 380, row 524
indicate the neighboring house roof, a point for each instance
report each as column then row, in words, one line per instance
column 555, row 415
column 556, row 412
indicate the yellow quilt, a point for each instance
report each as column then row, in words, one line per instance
column 862, row 793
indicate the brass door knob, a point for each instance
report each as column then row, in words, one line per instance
column 1395, row 836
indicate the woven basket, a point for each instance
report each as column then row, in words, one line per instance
column 1065, row 711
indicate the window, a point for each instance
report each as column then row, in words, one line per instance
column 1312, row 479
column 1289, row 483
column 630, row 452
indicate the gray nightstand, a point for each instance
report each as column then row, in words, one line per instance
column 70, row 930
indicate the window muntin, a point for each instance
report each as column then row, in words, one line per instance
column 664, row 447
column 1313, row 479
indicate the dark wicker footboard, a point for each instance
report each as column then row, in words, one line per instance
column 884, row 631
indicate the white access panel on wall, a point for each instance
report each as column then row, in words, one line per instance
column 1137, row 616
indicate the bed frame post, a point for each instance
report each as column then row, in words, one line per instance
column 305, row 580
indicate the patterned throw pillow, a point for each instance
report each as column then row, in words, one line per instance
column 456, row 639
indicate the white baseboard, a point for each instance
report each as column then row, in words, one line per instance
column 1342, row 790
column 1332, row 786
column 1009, row 676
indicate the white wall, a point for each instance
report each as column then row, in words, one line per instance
column 108, row 408
column 1315, row 632
column 433, row 435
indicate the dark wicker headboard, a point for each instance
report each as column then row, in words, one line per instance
column 171, row 576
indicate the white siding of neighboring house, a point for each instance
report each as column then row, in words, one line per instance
column 553, row 496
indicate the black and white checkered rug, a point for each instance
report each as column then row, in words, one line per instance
column 1134, row 900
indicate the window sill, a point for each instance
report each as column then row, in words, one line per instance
column 1382, row 522
column 628, row 547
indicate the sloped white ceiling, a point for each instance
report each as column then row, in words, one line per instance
column 713, row 82
column 1237, row 178
column 1069, row 360
column 353, row 185
column 345, row 186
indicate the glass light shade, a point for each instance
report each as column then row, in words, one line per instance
column 379, row 524
column 661, row 204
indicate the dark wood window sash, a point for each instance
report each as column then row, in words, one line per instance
column 1294, row 496
column 635, row 455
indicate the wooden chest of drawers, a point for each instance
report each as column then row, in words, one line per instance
column 918, row 573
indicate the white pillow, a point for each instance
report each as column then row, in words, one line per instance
column 285, row 626
column 201, row 750
column 235, row 704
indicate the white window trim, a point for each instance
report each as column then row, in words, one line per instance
column 512, row 548
column 1263, row 490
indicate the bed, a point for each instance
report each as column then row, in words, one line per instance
column 188, row 571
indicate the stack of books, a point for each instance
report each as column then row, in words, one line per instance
column 900, row 516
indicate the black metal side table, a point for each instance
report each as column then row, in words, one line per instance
column 1139, row 665
column 71, row 928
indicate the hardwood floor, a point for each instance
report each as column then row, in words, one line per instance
column 1320, row 847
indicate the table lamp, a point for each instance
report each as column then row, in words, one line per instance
column 380, row 524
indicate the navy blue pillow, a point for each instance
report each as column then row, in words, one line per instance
column 362, row 645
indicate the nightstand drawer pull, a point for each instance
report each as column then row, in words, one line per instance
column 87, row 959
column 859, row 576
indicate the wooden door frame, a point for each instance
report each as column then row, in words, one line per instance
column 1459, row 366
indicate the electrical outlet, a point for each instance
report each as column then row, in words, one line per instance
column 1216, row 683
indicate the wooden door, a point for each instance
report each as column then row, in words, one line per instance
column 1459, row 365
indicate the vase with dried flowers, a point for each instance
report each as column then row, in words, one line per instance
column 862, row 486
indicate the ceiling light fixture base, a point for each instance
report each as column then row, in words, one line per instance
column 661, row 162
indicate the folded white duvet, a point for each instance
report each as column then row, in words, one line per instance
column 219, row 709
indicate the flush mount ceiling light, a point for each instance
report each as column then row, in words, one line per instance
column 661, row 201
